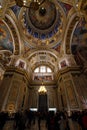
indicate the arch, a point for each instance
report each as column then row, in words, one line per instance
column 70, row 29
column 42, row 57
column 10, row 22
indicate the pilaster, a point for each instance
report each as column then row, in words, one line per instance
column 67, row 87
column 14, row 89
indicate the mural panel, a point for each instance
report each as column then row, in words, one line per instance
column 63, row 64
column 80, row 34
column 43, row 78
column 79, row 41
column 6, row 42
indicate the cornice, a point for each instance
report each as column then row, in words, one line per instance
column 49, row 83
column 76, row 69
column 13, row 69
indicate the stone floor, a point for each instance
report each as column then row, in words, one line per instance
column 9, row 126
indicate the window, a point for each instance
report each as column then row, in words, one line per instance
column 43, row 69
column 49, row 70
column 43, row 73
column 36, row 70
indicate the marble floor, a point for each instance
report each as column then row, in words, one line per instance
column 9, row 126
column 72, row 125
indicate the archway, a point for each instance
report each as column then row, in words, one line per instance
column 42, row 99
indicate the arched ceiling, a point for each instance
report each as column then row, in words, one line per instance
column 42, row 29
column 53, row 28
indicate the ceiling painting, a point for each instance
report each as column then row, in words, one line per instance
column 16, row 39
column 43, row 26
column 6, row 42
column 34, row 20
column 80, row 34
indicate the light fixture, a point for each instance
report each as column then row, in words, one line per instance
column 42, row 89
column 34, row 4
column 0, row 6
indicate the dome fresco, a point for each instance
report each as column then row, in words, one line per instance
column 42, row 26
column 44, row 17
column 52, row 27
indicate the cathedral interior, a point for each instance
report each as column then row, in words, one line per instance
column 43, row 55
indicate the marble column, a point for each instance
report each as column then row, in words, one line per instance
column 67, row 89
column 14, row 90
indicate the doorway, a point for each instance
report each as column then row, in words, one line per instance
column 42, row 102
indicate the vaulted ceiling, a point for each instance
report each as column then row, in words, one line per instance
column 46, row 36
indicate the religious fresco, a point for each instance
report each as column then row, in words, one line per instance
column 80, row 33
column 34, row 20
column 43, row 78
column 63, row 63
column 44, row 26
column 42, row 19
column 20, row 64
column 6, row 42
column 15, row 36
column 79, row 41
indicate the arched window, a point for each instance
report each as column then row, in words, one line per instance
column 42, row 69
column 36, row 70
column 43, row 73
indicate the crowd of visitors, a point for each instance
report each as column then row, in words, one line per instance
column 23, row 120
column 53, row 121
column 81, row 118
column 3, row 119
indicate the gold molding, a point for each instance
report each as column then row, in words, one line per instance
column 75, row 69
column 11, row 69
column 69, row 34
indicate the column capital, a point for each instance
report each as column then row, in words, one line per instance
column 12, row 69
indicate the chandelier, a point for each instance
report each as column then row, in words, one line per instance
column 42, row 89
column 29, row 3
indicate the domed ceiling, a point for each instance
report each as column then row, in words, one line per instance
column 44, row 26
